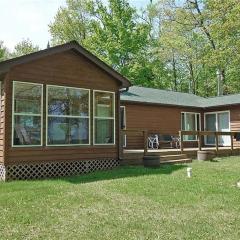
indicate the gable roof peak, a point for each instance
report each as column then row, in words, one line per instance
column 5, row 66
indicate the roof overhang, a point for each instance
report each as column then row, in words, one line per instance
column 5, row 66
column 160, row 104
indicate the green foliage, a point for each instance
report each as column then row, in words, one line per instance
column 200, row 38
column 117, row 37
column 72, row 22
column 177, row 45
column 4, row 53
column 24, row 47
column 170, row 44
column 114, row 32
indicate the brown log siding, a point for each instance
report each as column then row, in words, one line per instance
column 167, row 120
column 67, row 69
column 154, row 118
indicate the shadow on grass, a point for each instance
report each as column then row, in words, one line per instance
column 215, row 160
column 123, row 172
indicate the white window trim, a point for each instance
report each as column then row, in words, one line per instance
column 110, row 118
column 68, row 116
column 216, row 123
column 195, row 113
column 26, row 114
column 125, row 121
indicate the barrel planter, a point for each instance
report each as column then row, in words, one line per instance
column 205, row 155
column 152, row 161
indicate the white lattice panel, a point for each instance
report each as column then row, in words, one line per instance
column 56, row 169
column 2, row 172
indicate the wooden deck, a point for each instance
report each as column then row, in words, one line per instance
column 174, row 150
column 181, row 155
column 135, row 156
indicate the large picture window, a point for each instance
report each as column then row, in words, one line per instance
column 104, row 117
column 67, row 116
column 190, row 122
column 27, row 114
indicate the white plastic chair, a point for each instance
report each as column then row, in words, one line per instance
column 153, row 142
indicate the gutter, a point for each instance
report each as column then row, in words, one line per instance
column 124, row 90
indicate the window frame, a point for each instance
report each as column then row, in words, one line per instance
column 216, row 123
column 196, row 124
column 67, row 116
column 26, row 114
column 107, row 118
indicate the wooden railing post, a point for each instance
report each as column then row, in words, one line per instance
column 145, row 140
column 232, row 135
column 199, row 141
column 121, row 144
column 181, row 141
column 216, row 140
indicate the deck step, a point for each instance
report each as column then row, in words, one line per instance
column 173, row 157
column 169, row 152
column 184, row 160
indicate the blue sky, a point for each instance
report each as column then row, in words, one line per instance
column 22, row 19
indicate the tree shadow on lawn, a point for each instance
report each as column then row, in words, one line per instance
column 123, row 172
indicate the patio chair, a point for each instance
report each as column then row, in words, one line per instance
column 22, row 135
column 175, row 141
column 153, row 142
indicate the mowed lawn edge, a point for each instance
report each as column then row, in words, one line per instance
column 127, row 203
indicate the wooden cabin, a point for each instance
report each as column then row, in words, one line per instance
column 62, row 111
column 167, row 112
column 59, row 114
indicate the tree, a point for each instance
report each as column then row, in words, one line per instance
column 190, row 45
column 72, row 22
column 4, row 53
column 113, row 31
column 24, row 47
column 204, row 38
column 119, row 38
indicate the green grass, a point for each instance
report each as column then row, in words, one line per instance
column 127, row 203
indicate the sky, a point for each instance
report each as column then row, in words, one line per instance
column 29, row 19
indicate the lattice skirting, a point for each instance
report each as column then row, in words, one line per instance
column 2, row 172
column 55, row 169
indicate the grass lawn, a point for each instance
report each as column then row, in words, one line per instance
column 127, row 203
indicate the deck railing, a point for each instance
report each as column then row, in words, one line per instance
column 134, row 132
column 200, row 134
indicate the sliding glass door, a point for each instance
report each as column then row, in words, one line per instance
column 224, row 126
column 217, row 121
column 210, row 125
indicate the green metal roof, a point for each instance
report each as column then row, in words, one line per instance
column 165, row 97
column 223, row 100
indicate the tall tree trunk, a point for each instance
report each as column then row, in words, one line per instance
column 174, row 73
column 220, row 81
column 200, row 23
column 191, row 85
